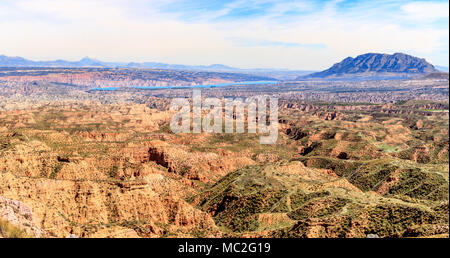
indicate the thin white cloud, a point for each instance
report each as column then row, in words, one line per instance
column 426, row 11
column 119, row 31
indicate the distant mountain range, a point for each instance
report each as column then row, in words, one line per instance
column 376, row 66
column 366, row 66
column 281, row 74
column 6, row 61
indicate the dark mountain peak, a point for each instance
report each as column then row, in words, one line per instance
column 86, row 59
column 376, row 64
column 90, row 61
column 220, row 66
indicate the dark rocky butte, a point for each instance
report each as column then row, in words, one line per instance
column 377, row 65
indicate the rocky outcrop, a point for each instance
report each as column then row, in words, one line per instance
column 373, row 64
column 21, row 216
column 205, row 167
column 86, row 209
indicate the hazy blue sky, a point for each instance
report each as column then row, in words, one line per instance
column 265, row 33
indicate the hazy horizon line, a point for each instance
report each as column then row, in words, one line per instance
column 199, row 65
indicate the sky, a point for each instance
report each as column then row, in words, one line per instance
column 300, row 35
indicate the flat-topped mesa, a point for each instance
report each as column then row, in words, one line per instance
column 377, row 65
